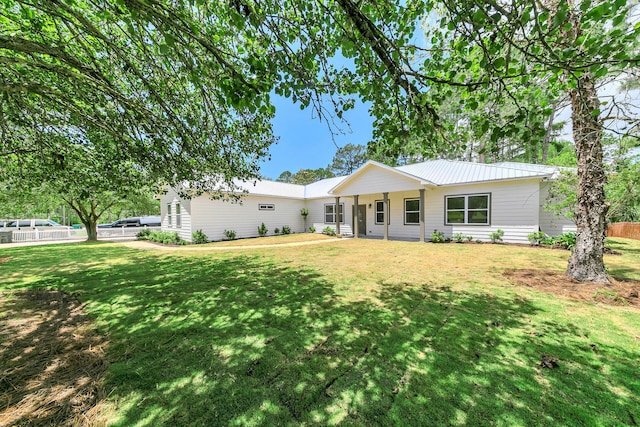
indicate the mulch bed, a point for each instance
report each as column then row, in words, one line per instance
column 51, row 361
column 619, row 292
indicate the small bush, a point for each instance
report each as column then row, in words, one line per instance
column 286, row 229
column 437, row 237
column 143, row 234
column 469, row 238
column 198, row 237
column 566, row 240
column 458, row 237
column 312, row 229
column 537, row 237
column 496, row 236
column 263, row 230
column 230, row 234
column 329, row 231
column 478, row 241
column 304, row 212
column 548, row 241
column 167, row 238
column 276, row 231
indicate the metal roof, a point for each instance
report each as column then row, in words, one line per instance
column 273, row 188
column 452, row 172
column 435, row 172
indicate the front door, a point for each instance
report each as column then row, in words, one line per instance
column 362, row 220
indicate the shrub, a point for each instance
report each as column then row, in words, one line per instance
column 496, row 236
column 478, row 241
column 566, row 240
column 537, row 237
column 263, row 230
column 286, row 229
column 329, row 231
column 312, row 229
column 548, row 240
column 143, row 234
column 230, row 234
column 458, row 237
column 167, row 238
column 304, row 212
column 198, row 237
column 469, row 238
column 437, row 236
column 276, row 231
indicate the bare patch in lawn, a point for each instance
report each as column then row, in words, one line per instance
column 4, row 259
column 51, row 360
column 555, row 282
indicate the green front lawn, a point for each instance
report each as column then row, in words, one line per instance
column 352, row 333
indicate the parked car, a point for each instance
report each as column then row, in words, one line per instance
column 35, row 224
column 136, row 221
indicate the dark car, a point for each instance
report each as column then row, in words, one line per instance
column 136, row 221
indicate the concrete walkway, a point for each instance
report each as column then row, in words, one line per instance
column 130, row 242
column 146, row 245
column 61, row 242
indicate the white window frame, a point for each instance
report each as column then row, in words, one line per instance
column 178, row 215
column 169, row 219
column 411, row 199
column 333, row 213
column 266, row 207
column 466, row 209
column 376, row 211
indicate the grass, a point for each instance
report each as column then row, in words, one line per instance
column 346, row 332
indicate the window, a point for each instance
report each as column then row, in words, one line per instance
column 178, row 216
column 169, row 219
column 380, row 212
column 266, row 207
column 330, row 213
column 412, row 211
column 467, row 209
column 42, row 223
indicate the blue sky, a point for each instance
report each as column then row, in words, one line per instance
column 305, row 142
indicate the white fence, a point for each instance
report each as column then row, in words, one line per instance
column 123, row 231
column 34, row 235
column 38, row 235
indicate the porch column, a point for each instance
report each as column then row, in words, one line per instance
column 337, row 215
column 422, row 218
column 385, row 216
column 355, row 217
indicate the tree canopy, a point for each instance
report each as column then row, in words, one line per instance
column 183, row 88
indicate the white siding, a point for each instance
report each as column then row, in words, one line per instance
column 185, row 214
column 378, row 180
column 316, row 211
column 514, row 209
column 551, row 223
column 216, row 216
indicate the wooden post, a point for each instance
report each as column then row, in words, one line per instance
column 422, row 218
column 385, row 215
column 355, row 217
column 337, row 211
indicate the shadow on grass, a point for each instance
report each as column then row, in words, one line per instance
column 240, row 340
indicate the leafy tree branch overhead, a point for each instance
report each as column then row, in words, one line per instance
column 184, row 88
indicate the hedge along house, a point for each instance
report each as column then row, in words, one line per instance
column 406, row 202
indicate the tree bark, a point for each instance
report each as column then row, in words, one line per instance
column 92, row 230
column 586, row 263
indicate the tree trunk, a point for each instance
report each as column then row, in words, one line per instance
column 92, row 229
column 547, row 137
column 586, row 263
